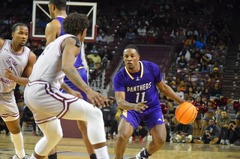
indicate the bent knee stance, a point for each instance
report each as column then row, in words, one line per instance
column 53, row 134
column 95, row 126
column 159, row 141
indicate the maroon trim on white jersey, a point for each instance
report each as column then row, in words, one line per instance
column 7, row 115
column 66, row 101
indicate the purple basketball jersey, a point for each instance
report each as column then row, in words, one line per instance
column 139, row 87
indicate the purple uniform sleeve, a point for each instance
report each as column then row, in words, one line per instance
column 118, row 83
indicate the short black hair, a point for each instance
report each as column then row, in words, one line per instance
column 131, row 46
column 13, row 29
column 60, row 4
column 75, row 23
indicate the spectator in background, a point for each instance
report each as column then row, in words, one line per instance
column 193, row 64
column 182, row 63
column 199, row 44
column 95, row 58
column 208, row 115
column 108, row 38
column 130, row 34
column 142, row 31
column 223, row 122
column 215, row 74
column 180, row 93
column 185, row 52
column 189, row 41
column 100, row 38
column 211, row 134
column 233, row 133
column 215, row 90
column 182, row 133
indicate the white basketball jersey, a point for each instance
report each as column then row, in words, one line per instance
column 49, row 64
column 15, row 61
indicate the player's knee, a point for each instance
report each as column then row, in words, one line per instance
column 122, row 137
column 96, row 114
column 57, row 136
column 159, row 140
column 14, row 128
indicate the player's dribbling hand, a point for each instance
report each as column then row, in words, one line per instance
column 139, row 107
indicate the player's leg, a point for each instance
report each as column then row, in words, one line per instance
column 155, row 123
column 52, row 135
column 53, row 153
column 16, row 137
column 8, row 106
column 158, row 133
column 125, row 130
column 82, row 110
column 83, row 128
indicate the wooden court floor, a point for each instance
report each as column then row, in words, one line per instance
column 72, row 148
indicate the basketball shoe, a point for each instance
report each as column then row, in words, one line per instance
column 142, row 154
column 16, row 157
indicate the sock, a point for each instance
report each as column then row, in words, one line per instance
column 102, row 153
column 52, row 156
column 17, row 140
column 93, row 156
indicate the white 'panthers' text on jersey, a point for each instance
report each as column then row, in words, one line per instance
column 48, row 67
column 14, row 61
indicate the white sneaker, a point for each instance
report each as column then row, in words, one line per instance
column 175, row 140
column 222, row 142
column 16, row 157
column 138, row 156
column 227, row 142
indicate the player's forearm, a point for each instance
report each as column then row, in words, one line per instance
column 125, row 105
column 65, row 87
column 21, row 81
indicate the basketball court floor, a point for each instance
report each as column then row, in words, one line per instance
column 73, row 148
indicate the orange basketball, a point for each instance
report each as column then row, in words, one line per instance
column 186, row 113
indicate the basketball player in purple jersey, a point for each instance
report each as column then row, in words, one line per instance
column 16, row 62
column 54, row 29
column 136, row 93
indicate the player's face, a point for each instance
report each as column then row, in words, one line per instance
column 20, row 35
column 131, row 59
